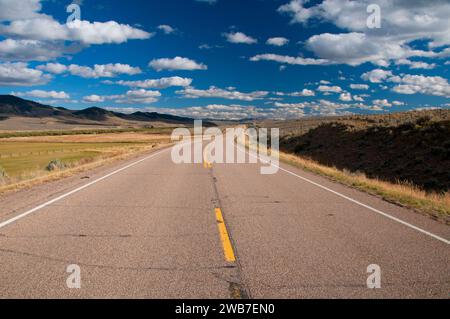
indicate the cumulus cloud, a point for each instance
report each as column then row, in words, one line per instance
column 24, row 9
column 329, row 89
column 30, row 50
column 403, row 22
column 161, row 83
column 167, row 29
column 230, row 94
column 239, row 37
column 94, row 99
column 277, row 41
column 34, row 36
column 140, row 96
column 411, row 84
column 44, row 94
column 85, row 32
column 98, row 71
column 287, row 59
column 177, row 63
column 292, row 105
column 416, row 64
column 278, row 111
column 304, row 92
column 382, row 103
column 429, row 85
column 345, row 97
column 19, row 74
column 55, row 68
column 376, row 76
column 103, row 70
column 359, row 86
column 358, row 48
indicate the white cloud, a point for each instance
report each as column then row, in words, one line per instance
column 376, row 76
column 239, row 37
column 34, row 36
column 359, row 86
column 29, row 50
column 19, row 74
column 330, row 89
column 358, row 48
column 238, row 112
column 346, row 97
column 94, row 99
column 429, row 85
column 382, row 103
column 23, row 9
column 277, row 41
column 416, row 64
column 229, row 94
column 287, row 59
column 140, row 96
column 177, row 63
column 304, row 92
column 292, row 105
column 44, row 94
column 161, row 83
column 403, row 22
column 98, row 71
column 85, row 32
column 103, row 70
column 55, row 68
column 167, row 29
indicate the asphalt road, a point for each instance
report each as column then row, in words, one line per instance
column 151, row 229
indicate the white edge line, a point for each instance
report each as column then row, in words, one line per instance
column 31, row 211
column 354, row 200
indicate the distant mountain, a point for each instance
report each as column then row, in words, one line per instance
column 12, row 106
column 94, row 114
column 153, row 116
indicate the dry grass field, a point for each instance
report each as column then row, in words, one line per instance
column 24, row 161
column 357, row 122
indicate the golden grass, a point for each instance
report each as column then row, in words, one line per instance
column 126, row 137
column 32, row 178
column 407, row 195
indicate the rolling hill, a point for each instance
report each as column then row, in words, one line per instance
column 18, row 113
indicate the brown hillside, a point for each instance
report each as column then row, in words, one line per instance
column 417, row 152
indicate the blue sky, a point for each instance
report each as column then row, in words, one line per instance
column 228, row 59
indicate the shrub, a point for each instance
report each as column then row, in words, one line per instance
column 55, row 165
column 3, row 175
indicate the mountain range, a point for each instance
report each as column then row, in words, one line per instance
column 13, row 107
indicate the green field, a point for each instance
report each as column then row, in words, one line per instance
column 18, row 158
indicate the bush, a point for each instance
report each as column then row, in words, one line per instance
column 3, row 175
column 55, row 165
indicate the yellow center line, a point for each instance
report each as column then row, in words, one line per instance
column 224, row 237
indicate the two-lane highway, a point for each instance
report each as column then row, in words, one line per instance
column 153, row 229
